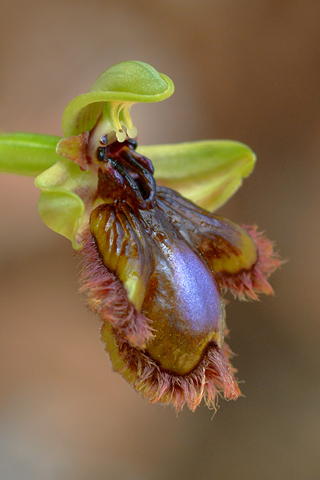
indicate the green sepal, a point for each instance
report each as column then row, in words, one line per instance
column 68, row 195
column 119, row 87
column 207, row 172
column 27, row 153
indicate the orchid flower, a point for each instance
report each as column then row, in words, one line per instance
column 155, row 260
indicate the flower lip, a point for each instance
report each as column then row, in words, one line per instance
column 184, row 303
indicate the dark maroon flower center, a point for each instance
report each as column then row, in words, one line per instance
column 125, row 176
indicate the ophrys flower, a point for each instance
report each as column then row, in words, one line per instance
column 154, row 264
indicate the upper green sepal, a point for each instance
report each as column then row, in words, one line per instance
column 27, row 153
column 112, row 95
column 208, row 172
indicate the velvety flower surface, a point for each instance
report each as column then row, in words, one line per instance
column 154, row 264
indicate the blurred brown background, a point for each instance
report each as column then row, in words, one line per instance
column 244, row 70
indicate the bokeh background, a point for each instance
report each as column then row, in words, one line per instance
column 246, row 70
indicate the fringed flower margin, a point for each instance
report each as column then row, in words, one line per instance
column 126, row 332
column 248, row 284
column 212, row 377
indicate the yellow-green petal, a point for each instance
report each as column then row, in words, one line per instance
column 113, row 93
column 27, row 153
column 68, row 196
column 206, row 172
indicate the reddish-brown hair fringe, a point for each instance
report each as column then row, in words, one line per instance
column 213, row 376
column 106, row 296
column 248, row 284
